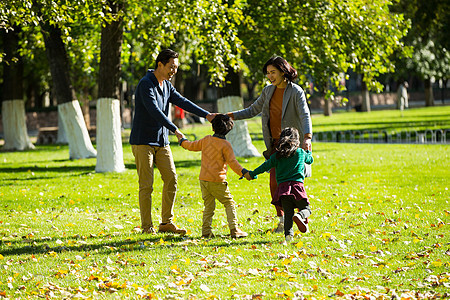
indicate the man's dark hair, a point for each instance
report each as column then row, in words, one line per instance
column 283, row 66
column 222, row 124
column 164, row 57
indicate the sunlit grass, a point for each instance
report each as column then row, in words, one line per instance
column 379, row 228
column 389, row 120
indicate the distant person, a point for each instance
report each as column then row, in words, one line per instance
column 149, row 139
column 216, row 154
column 281, row 104
column 402, row 96
column 289, row 162
column 179, row 117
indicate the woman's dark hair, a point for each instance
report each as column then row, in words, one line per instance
column 222, row 124
column 281, row 64
column 288, row 143
column 164, row 57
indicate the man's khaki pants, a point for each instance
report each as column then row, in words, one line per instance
column 210, row 192
column 146, row 157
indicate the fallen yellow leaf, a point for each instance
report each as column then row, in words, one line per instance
column 299, row 244
column 437, row 263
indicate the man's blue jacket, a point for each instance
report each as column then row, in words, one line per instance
column 150, row 124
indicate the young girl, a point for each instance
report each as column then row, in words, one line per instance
column 289, row 163
column 281, row 104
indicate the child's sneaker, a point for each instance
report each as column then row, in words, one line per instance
column 302, row 224
column 280, row 228
column 287, row 240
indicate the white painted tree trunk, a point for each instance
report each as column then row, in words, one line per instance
column 238, row 137
column 62, row 138
column 109, row 137
column 14, row 126
column 80, row 145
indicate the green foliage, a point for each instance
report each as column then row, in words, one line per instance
column 377, row 229
column 429, row 60
column 204, row 30
column 323, row 39
column 430, row 22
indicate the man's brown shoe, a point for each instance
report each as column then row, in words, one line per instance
column 237, row 233
column 170, row 227
column 150, row 230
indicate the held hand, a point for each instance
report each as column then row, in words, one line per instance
column 248, row 177
column 210, row 116
column 307, row 144
column 179, row 135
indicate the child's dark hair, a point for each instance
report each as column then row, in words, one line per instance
column 288, row 143
column 222, row 124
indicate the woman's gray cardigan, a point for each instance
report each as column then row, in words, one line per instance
column 295, row 111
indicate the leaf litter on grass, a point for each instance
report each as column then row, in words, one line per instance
column 383, row 238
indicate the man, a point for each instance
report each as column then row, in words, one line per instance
column 149, row 138
column 402, row 96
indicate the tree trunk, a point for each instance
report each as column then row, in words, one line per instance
column 232, row 85
column 110, row 51
column 365, row 98
column 109, row 137
column 327, row 107
column 444, row 86
column 13, row 105
column 14, row 126
column 231, row 100
column 80, row 145
column 62, row 137
column 239, row 136
column 59, row 64
column 251, row 90
column 429, row 98
column 85, row 111
column 109, row 142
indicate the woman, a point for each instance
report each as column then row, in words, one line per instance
column 281, row 104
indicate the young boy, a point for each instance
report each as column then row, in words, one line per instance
column 216, row 154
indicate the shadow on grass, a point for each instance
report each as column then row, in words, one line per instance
column 70, row 171
column 135, row 242
column 178, row 164
column 188, row 163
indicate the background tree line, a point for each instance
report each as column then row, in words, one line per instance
column 83, row 50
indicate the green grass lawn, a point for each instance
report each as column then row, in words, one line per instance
column 420, row 119
column 379, row 228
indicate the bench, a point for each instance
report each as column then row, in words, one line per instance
column 47, row 135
